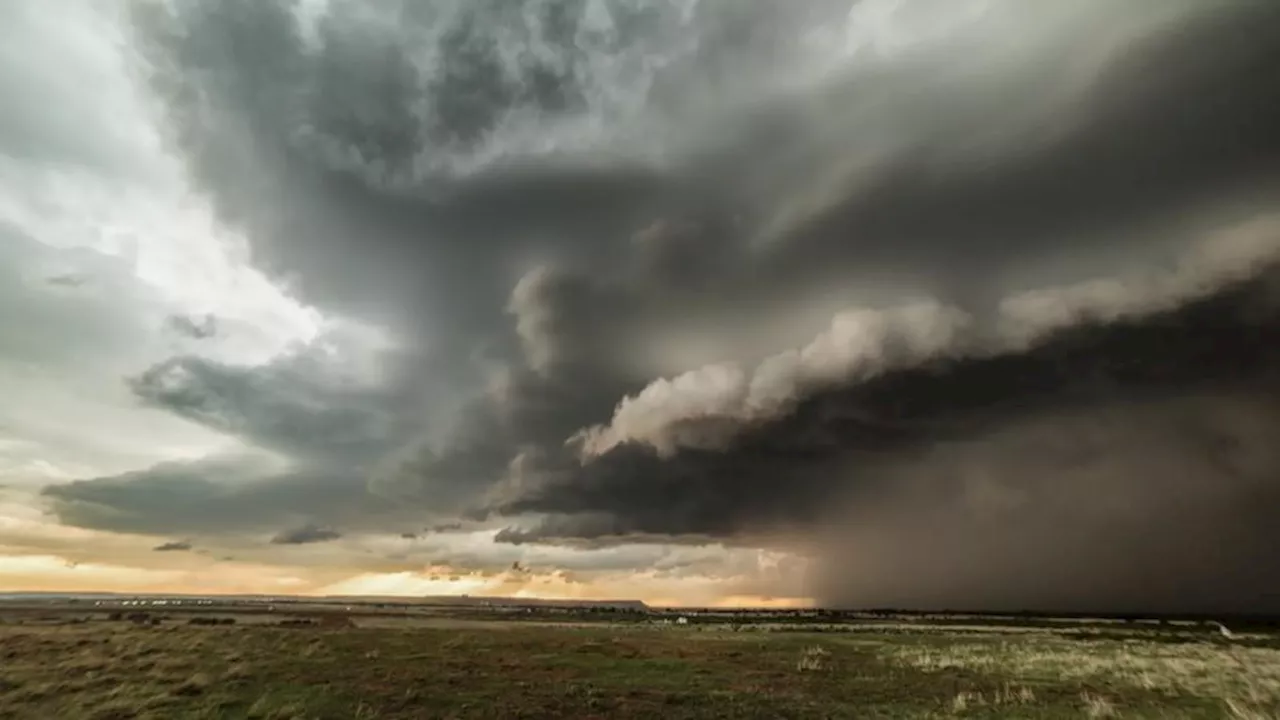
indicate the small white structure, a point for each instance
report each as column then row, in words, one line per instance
column 682, row 620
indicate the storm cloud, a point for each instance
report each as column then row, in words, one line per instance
column 305, row 535
column 972, row 302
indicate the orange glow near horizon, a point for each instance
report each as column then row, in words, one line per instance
column 772, row 603
column 50, row 573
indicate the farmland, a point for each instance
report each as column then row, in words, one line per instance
column 299, row 661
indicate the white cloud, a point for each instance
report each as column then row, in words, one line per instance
column 101, row 240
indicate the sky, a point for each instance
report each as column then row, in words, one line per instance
column 962, row 304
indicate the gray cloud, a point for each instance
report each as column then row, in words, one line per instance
column 298, row 404
column 563, row 381
column 108, row 314
column 956, row 200
column 217, row 496
column 1155, row 504
column 306, row 535
column 195, row 328
column 62, row 352
column 728, row 425
column 613, row 246
column 173, row 546
column 1036, row 479
column 69, row 281
column 315, row 421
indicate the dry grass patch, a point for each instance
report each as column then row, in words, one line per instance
column 1238, row 679
column 260, row 670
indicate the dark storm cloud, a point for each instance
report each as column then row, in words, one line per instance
column 219, row 496
column 1139, row 146
column 1155, row 505
column 778, row 472
column 351, row 198
column 295, row 405
column 1107, row 148
column 937, row 185
column 567, row 379
column 1053, row 220
column 1165, row 126
column 306, row 535
column 1121, row 466
column 342, row 159
column 323, row 424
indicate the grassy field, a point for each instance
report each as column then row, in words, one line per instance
column 93, row 667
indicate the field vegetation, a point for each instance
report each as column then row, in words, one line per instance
column 102, row 666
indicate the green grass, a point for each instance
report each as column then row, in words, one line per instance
column 113, row 671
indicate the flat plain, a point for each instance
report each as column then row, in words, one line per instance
column 69, row 662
